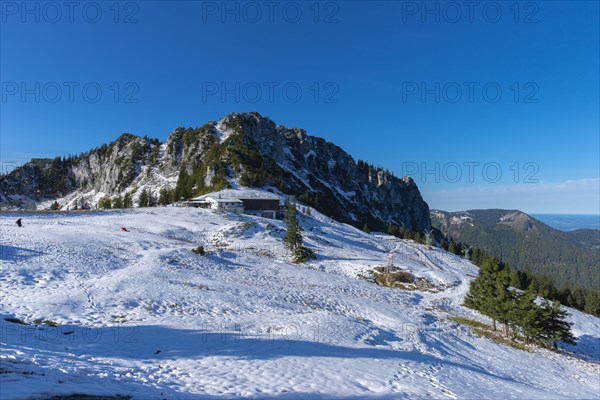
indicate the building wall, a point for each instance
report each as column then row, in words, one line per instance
column 261, row 204
column 268, row 208
column 265, row 214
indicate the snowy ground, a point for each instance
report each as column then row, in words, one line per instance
column 140, row 314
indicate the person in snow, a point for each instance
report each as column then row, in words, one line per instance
column 19, row 223
column 124, row 229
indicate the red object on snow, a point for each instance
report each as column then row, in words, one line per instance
column 471, row 276
column 124, row 229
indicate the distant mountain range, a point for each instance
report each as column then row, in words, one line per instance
column 569, row 222
column 241, row 149
column 527, row 243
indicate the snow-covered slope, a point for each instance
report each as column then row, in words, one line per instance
column 139, row 314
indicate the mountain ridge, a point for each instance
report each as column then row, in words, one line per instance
column 241, row 149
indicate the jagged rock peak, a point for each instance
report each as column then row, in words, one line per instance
column 240, row 149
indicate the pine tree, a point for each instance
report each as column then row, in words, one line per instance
column 489, row 292
column 527, row 316
column 127, row 200
column 554, row 324
column 592, row 302
column 451, row 247
column 293, row 236
column 392, row 229
column 500, row 301
column 579, row 298
column 477, row 291
column 55, row 206
column 117, row 202
column 184, row 185
column 404, row 233
column 366, row 228
column 143, row 199
column 104, row 202
column 164, row 197
column 152, row 200
column 417, row 237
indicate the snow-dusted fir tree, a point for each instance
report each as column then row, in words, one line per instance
column 293, row 236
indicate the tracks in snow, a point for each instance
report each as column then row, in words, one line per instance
column 417, row 375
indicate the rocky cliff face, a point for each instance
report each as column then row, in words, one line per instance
column 108, row 169
column 242, row 149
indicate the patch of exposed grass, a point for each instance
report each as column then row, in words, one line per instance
column 119, row 319
column 35, row 322
column 498, row 338
column 45, row 322
column 403, row 280
column 368, row 278
column 469, row 322
column 394, row 279
column 484, row 330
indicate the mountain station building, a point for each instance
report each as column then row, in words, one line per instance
column 264, row 206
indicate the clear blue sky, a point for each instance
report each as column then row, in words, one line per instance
column 369, row 73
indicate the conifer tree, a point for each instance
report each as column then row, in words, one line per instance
column 489, row 292
column 164, row 197
column 554, row 324
column 127, row 200
column 500, row 301
column 592, row 303
column 293, row 236
column 104, row 202
column 117, row 202
column 184, row 185
column 527, row 316
column 404, row 233
column 143, row 199
column 392, row 230
column 451, row 247
column 152, row 200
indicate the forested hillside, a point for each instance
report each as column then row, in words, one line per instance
column 570, row 258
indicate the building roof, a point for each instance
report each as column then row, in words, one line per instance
column 223, row 199
column 237, row 195
column 259, row 198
